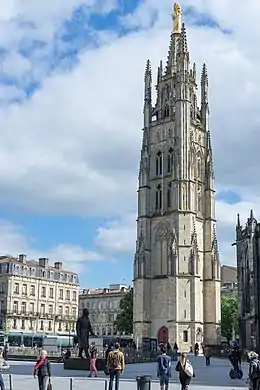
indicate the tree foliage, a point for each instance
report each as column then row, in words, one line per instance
column 124, row 319
column 229, row 317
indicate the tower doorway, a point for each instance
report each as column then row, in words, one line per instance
column 163, row 335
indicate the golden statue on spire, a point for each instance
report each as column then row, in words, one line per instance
column 176, row 16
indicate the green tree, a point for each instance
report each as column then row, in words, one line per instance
column 124, row 319
column 229, row 317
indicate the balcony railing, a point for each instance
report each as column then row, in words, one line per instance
column 40, row 315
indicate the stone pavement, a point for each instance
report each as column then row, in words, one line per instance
column 207, row 378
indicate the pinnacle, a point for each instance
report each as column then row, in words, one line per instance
column 148, row 69
column 183, row 46
column 204, row 74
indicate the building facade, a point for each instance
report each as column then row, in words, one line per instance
column 229, row 281
column 36, row 297
column 176, row 266
column 103, row 305
column 248, row 273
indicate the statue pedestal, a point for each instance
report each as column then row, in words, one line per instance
column 76, row 363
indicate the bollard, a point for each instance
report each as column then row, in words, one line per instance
column 71, row 384
column 10, row 382
column 105, row 385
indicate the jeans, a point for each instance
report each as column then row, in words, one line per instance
column 207, row 360
column 114, row 375
column 92, row 366
column 42, row 382
column 2, row 385
column 184, row 387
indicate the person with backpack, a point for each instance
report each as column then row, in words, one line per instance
column 254, row 370
column 164, row 369
column 185, row 370
column 115, row 366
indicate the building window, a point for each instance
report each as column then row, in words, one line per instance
column 49, row 326
column 31, row 324
column 158, row 197
column 15, row 307
column 43, row 294
column 67, row 310
column 50, row 309
column 51, row 293
column 59, row 328
column 159, row 163
column 169, row 192
column 23, row 324
column 15, row 323
column 170, row 160
column 166, row 111
column 24, row 289
column 42, row 309
column 61, row 294
column 16, row 288
column 185, row 336
column 68, row 295
column 60, row 310
column 32, row 292
column 74, row 296
column 42, row 326
column 74, row 311
column 185, row 294
column 185, row 314
column 23, row 307
column 32, row 307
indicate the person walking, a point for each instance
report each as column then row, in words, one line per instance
column 42, row 370
column 164, row 369
column 3, row 366
column 207, row 354
column 115, row 366
column 185, row 370
column 254, row 370
column 93, row 359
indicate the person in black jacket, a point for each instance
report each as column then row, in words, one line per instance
column 180, row 368
column 235, row 357
column 42, row 369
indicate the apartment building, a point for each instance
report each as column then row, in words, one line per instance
column 103, row 305
column 229, row 281
column 36, row 297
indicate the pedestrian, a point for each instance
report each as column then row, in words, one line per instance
column 164, row 369
column 254, row 371
column 3, row 366
column 93, row 359
column 185, row 370
column 207, row 354
column 42, row 370
column 115, row 366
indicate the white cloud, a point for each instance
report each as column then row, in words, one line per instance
column 14, row 241
column 75, row 145
column 118, row 236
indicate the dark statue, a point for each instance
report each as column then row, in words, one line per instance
column 83, row 329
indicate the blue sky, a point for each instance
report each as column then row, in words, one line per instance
column 71, row 112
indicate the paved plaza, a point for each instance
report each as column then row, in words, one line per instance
column 211, row 378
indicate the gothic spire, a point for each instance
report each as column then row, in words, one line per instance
column 183, row 45
column 215, row 244
column 238, row 221
column 147, row 94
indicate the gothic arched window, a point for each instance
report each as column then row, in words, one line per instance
column 166, row 111
column 159, row 163
column 170, row 160
column 199, row 173
column 169, row 192
column 158, row 198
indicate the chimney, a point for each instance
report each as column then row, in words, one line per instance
column 43, row 262
column 22, row 258
column 58, row 265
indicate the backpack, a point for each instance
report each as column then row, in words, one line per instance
column 188, row 369
column 255, row 369
column 164, row 365
column 114, row 362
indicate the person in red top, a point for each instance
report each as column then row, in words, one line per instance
column 42, row 369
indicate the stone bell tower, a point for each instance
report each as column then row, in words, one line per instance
column 176, row 266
